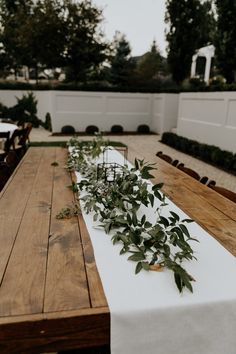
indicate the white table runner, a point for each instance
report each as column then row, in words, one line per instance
column 148, row 315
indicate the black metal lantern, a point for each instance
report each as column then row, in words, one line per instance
column 108, row 171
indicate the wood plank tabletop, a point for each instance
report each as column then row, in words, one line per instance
column 51, row 296
column 215, row 213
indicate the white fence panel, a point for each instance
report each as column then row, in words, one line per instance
column 209, row 118
column 165, row 112
column 103, row 109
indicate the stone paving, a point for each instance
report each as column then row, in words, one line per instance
column 146, row 146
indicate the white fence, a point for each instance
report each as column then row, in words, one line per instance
column 103, row 109
column 208, row 118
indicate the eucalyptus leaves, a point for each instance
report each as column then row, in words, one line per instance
column 117, row 207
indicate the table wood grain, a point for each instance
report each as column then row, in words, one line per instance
column 51, row 296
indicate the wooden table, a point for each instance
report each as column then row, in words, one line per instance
column 51, row 296
column 7, row 127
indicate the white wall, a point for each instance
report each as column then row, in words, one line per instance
column 208, row 118
column 103, row 109
column 165, row 111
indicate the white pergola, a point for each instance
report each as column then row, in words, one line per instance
column 208, row 52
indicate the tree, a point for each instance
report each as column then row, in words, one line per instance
column 53, row 33
column 122, row 64
column 150, row 64
column 86, row 48
column 12, row 14
column 33, row 33
column 225, row 41
column 191, row 26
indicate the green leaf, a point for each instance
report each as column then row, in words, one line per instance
column 145, row 265
column 138, row 268
column 136, row 164
column 175, row 216
column 137, row 256
column 143, row 219
column 164, row 221
column 178, row 282
column 157, row 186
column 107, row 227
column 147, row 224
column 185, row 230
column 134, row 219
column 121, row 220
column 187, row 220
column 158, row 195
column 151, row 198
column 129, row 220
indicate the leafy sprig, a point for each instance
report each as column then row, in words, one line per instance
column 117, row 208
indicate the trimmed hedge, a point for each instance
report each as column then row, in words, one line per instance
column 64, row 143
column 91, row 129
column 143, row 129
column 68, row 129
column 117, row 129
column 193, row 86
column 209, row 153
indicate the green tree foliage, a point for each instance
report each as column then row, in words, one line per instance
column 13, row 13
column 122, row 64
column 43, row 35
column 225, row 41
column 151, row 64
column 52, row 33
column 191, row 25
column 86, row 48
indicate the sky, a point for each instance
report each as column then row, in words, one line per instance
column 141, row 21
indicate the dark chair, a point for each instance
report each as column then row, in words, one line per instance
column 204, row 180
column 188, row 171
column 164, row 157
column 5, row 173
column 25, row 137
column 175, row 163
column 12, row 160
column 6, row 137
column 211, row 183
column 224, row 191
column 19, row 139
column 3, row 150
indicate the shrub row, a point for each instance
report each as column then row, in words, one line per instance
column 194, row 85
column 209, row 153
column 115, row 129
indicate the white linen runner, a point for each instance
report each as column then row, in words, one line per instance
column 149, row 316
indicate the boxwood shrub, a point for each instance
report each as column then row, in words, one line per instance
column 223, row 159
column 143, row 129
column 68, row 129
column 91, row 129
column 117, row 129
